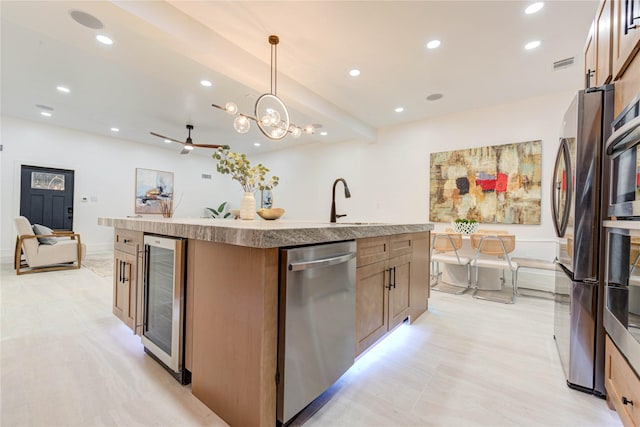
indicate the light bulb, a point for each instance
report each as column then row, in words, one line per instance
column 265, row 120
column 188, row 147
column 274, row 117
column 277, row 133
column 231, row 108
column 296, row 132
column 241, row 124
column 308, row 129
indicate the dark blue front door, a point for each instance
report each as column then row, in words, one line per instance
column 46, row 196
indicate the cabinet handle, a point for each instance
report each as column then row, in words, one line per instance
column 120, row 269
column 394, row 277
column 125, row 279
column 125, row 241
column 626, row 401
column 388, row 285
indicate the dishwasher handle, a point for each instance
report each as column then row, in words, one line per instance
column 324, row 262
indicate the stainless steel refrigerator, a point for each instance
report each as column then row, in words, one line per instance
column 579, row 202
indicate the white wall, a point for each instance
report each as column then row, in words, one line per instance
column 388, row 179
column 105, row 169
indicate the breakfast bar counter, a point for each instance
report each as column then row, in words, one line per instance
column 232, row 305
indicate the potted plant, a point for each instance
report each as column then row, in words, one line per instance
column 221, row 212
column 465, row 226
column 251, row 178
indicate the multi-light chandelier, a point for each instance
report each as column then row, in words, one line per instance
column 270, row 113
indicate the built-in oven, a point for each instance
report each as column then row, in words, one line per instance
column 622, row 149
column 622, row 291
column 164, row 303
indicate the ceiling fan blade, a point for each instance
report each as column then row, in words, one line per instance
column 166, row 137
column 207, row 145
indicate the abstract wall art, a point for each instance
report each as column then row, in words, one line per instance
column 152, row 189
column 499, row 184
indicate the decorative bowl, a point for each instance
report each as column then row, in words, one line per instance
column 272, row 213
column 235, row 213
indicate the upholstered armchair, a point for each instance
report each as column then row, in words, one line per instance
column 58, row 250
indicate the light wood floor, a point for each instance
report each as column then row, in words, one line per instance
column 67, row 361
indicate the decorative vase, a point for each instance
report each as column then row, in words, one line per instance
column 248, row 206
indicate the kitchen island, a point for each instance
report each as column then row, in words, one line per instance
column 232, row 296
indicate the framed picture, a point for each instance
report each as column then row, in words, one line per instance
column 267, row 199
column 153, row 188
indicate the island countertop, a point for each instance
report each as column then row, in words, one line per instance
column 260, row 233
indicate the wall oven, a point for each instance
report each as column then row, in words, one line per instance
column 164, row 302
column 622, row 292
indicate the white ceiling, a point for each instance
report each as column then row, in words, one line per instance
column 149, row 79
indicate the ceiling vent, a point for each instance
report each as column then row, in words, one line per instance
column 563, row 63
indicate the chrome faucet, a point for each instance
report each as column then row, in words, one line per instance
column 347, row 194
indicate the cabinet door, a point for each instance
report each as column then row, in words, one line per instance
column 372, row 299
column 622, row 385
column 124, row 286
column 603, row 43
column 590, row 57
column 400, row 271
column 626, row 35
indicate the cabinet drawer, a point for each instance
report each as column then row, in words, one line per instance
column 401, row 244
column 622, row 384
column 372, row 250
column 127, row 240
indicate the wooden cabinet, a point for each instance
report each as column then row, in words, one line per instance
column 391, row 284
column 622, row 385
column 597, row 51
column 127, row 277
column 590, row 57
column 626, row 34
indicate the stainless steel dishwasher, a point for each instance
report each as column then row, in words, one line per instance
column 317, row 338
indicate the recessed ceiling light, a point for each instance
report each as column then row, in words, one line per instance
column 168, row 141
column 534, row 7
column 206, row 83
column 115, row 130
column 532, row 45
column 104, row 39
column 399, row 109
column 434, row 96
column 323, row 133
column 256, row 144
column 45, row 113
column 433, row 44
column 354, row 73
column 63, row 89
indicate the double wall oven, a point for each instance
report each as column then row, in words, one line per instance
column 622, row 295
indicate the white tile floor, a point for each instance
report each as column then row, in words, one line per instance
column 67, row 361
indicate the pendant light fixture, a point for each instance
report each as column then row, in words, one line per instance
column 270, row 113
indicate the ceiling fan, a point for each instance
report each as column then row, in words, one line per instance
column 188, row 144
